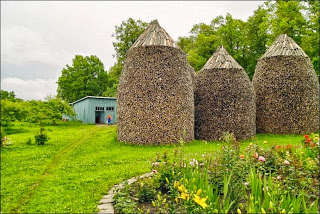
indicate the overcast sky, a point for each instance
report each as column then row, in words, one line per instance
column 38, row 39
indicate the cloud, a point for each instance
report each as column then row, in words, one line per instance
column 21, row 45
column 30, row 89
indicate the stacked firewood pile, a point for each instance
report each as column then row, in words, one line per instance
column 224, row 99
column 287, row 90
column 155, row 102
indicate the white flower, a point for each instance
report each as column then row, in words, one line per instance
column 286, row 162
column 195, row 161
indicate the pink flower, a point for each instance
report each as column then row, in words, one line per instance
column 155, row 164
column 154, row 171
column 278, row 177
column 262, row 159
column 286, row 162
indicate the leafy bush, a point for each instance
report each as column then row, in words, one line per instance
column 41, row 137
column 146, row 191
column 122, row 201
column 34, row 111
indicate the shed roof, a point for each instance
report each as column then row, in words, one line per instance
column 93, row 97
column 155, row 35
column 284, row 46
column 221, row 59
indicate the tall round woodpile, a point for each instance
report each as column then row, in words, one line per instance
column 155, row 102
column 286, row 87
column 224, row 99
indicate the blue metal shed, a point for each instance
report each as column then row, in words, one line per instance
column 94, row 110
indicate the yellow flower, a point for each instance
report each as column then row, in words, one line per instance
column 199, row 192
column 184, row 196
column 182, row 189
column 200, row 201
column 176, row 184
column 238, row 211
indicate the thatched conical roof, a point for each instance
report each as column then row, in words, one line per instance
column 155, row 102
column 221, row 59
column 224, row 99
column 155, row 35
column 287, row 90
column 284, row 46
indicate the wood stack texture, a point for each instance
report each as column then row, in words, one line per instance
column 155, row 93
column 224, row 99
column 286, row 88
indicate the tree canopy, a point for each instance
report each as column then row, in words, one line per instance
column 86, row 77
column 126, row 34
column 247, row 40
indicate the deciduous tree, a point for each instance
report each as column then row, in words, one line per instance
column 86, row 77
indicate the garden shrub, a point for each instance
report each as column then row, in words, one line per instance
column 146, row 191
column 41, row 137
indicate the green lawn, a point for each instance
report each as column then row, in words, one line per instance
column 80, row 163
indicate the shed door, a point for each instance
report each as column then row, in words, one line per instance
column 98, row 117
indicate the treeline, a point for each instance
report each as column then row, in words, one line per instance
column 246, row 40
column 34, row 111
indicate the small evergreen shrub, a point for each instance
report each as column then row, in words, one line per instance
column 41, row 137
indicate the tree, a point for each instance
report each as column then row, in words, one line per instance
column 6, row 95
column 86, row 77
column 287, row 17
column 126, row 34
column 232, row 35
column 257, row 37
column 113, row 80
column 12, row 111
column 200, row 45
column 310, row 40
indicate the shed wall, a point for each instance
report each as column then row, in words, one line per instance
column 93, row 103
column 86, row 110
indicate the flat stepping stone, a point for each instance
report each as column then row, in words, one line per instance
column 106, row 205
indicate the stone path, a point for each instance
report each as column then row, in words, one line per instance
column 106, row 205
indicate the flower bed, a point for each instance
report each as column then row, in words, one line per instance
column 281, row 179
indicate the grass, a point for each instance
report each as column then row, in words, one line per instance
column 80, row 163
